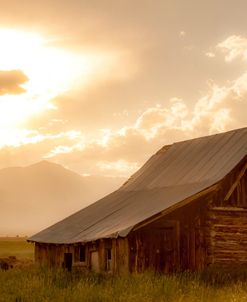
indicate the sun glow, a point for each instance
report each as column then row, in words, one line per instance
column 50, row 71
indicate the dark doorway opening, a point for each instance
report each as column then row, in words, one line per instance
column 82, row 253
column 108, row 259
column 68, row 261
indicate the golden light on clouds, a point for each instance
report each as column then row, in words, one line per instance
column 99, row 93
column 47, row 72
column 50, row 70
column 27, row 52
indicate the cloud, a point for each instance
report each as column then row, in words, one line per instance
column 11, row 81
column 182, row 33
column 120, row 152
column 32, row 146
column 120, row 166
column 210, row 54
column 222, row 108
column 234, row 47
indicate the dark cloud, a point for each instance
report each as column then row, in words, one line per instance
column 11, row 81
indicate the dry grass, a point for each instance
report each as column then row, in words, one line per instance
column 40, row 285
column 16, row 246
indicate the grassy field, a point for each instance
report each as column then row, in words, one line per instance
column 16, row 246
column 31, row 284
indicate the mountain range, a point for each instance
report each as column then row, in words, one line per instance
column 36, row 196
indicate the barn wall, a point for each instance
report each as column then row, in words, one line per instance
column 51, row 255
column 122, row 256
column 172, row 243
column 227, row 220
column 119, row 255
column 153, row 249
column 227, row 236
column 106, row 255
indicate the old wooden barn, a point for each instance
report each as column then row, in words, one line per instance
column 186, row 208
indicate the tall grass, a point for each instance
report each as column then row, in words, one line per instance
column 34, row 285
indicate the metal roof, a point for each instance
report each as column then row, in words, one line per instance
column 170, row 176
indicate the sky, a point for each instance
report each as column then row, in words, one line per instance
column 99, row 86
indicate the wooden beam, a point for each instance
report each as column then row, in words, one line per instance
column 228, row 209
column 236, row 182
column 177, row 245
column 176, row 206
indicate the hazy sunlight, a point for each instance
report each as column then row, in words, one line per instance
column 50, row 71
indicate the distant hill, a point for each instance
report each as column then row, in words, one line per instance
column 34, row 197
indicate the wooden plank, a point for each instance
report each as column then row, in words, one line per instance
column 114, row 255
column 236, row 182
column 177, row 243
column 228, row 209
column 137, row 254
column 122, row 255
column 192, row 248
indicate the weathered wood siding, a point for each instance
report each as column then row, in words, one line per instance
column 155, row 249
column 227, row 235
column 52, row 255
column 172, row 243
column 122, row 256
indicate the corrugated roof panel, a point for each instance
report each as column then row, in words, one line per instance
column 229, row 160
column 201, row 167
column 227, row 154
column 169, row 177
